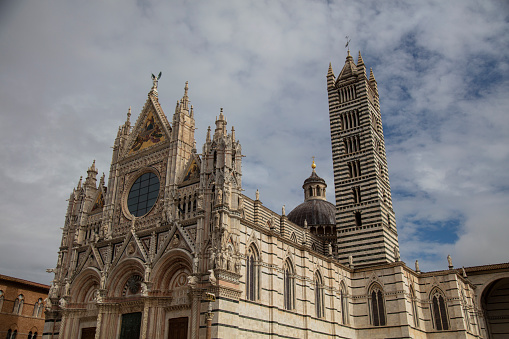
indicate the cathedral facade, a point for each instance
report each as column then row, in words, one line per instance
column 169, row 247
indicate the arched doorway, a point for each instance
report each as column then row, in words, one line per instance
column 495, row 304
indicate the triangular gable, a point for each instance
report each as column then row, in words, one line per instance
column 99, row 201
column 192, row 172
column 88, row 258
column 151, row 128
column 185, row 241
column 135, row 248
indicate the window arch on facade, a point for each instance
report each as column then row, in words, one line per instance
column 38, row 308
column 439, row 310
column 289, row 285
column 1, row 299
column 18, row 304
column 415, row 312
column 319, row 296
column 344, row 304
column 252, row 273
column 377, row 305
column 293, row 237
column 11, row 334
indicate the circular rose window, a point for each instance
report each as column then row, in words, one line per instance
column 143, row 194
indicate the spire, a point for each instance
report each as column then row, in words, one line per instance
column 371, row 75
column 101, row 182
column 208, row 134
column 79, row 183
column 359, row 60
column 233, row 134
column 220, row 125
column 92, row 175
column 185, row 99
column 372, row 80
column 349, row 68
column 127, row 125
column 330, row 72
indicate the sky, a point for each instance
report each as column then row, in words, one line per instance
column 70, row 70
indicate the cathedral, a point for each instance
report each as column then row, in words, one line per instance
column 168, row 246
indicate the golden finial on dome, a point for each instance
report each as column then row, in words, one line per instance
column 313, row 165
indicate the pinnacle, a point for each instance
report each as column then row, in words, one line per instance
column 371, row 75
column 359, row 60
column 330, row 72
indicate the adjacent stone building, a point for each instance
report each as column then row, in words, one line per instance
column 21, row 308
column 170, row 247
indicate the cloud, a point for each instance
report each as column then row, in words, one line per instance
column 69, row 72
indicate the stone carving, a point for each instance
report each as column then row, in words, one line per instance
column 283, row 210
column 47, row 304
column 212, row 277
column 417, row 266
column 330, row 248
column 449, row 261
column 350, row 261
column 219, row 196
column 396, row 253
column 195, row 262
column 62, row 303
column 257, row 195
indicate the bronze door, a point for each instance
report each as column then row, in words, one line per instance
column 131, row 326
column 88, row 333
column 177, row 328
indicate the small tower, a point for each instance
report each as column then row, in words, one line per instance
column 315, row 213
column 365, row 218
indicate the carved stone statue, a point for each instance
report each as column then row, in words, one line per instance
column 283, row 210
column 417, row 266
column 396, row 253
column 216, row 220
column 241, row 203
column 195, row 263
column 47, row 304
column 449, row 261
column 237, row 265
column 257, row 194
column 350, row 261
column 62, row 303
column 219, row 196
column 330, row 248
column 102, row 284
column 212, row 259
column 148, row 271
column 212, row 277
column 67, row 287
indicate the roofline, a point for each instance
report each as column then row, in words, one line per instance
column 24, row 282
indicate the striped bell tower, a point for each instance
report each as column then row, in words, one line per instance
column 366, row 226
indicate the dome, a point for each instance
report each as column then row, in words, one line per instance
column 315, row 209
column 315, row 212
column 314, row 179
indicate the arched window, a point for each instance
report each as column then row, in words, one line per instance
column 344, row 304
column 310, row 191
column 415, row 312
column 34, row 336
column 1, row 299
column 293, row 237
column 319, row 297
column 9, row 332
column 377, row 305
column 252, row 274
column 38, row 308
column 438, row 310
column 30, row 335
column 289, row 285
column 18, row 304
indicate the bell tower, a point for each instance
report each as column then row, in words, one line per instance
column 366, row 225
